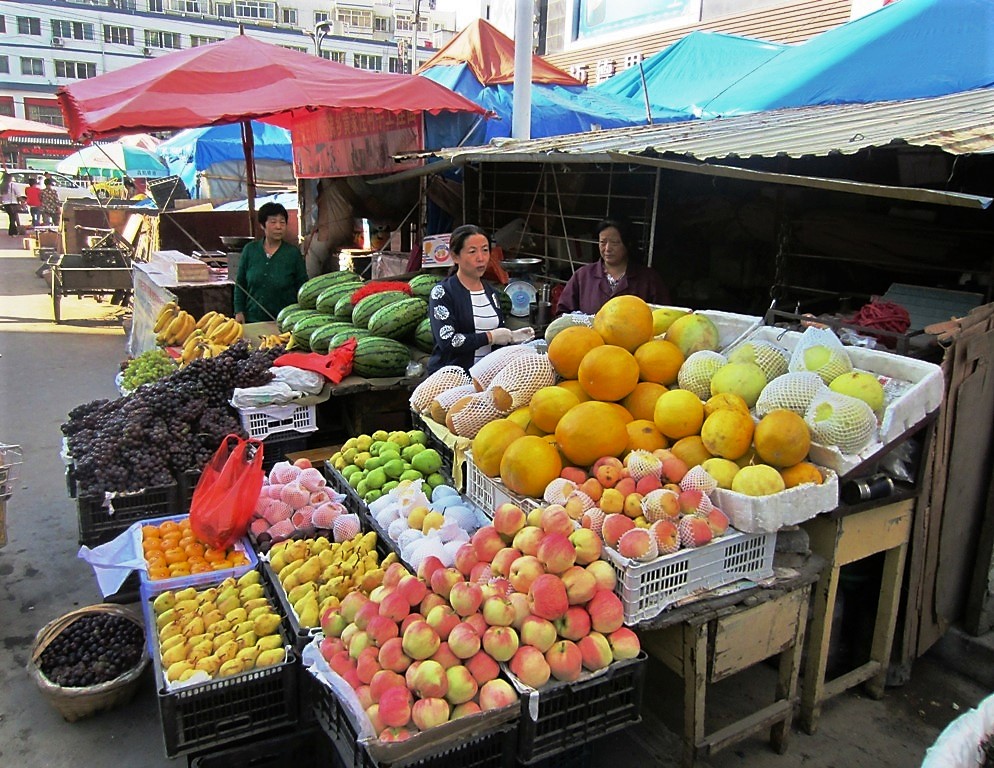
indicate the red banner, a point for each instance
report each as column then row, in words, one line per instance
column 328, row 144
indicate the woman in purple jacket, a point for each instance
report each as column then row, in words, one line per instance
column 616, row 273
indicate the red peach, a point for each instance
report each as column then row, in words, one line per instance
column 586, row 544
column 445, row 656
column 573, row 474
column 392, row 656
column 624, row 644
column 500, row 642
column 487, row 542
column 384, row 679
column 547, row 597
column 412, row 588
column 395, row 707
column 580, row 584
column 465, row 559
column 482, row 666
column 442, row 619
column 565, row 660
column 429, row 712
column 614, row 526
column 607, row 613
column 556, row 553
column 508, row 520
column 526, row 540
column 524, row 571
column 501, row 564
column 496, row 694
column 574, row 624
column 595, row 651
column 530, row 666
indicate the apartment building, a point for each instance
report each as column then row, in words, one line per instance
column 45, row 44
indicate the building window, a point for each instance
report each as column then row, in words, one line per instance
column 400, row 66
column 252, row 9
column 44, row 114
column 225, row 10
column 30, row 66
column 119, row 35
column 367, row 61
column 354, row 17
column 185, row 6
column 3, row 23
column 320, row 16
column 155, row 6
column 289, row 16
column 28, row 26
column 403, row 23
column 77, row 30
column 4, row 65
column 6, row 107
column 157, row 39
column 198, row 40
column 76, row 70
column 296, row 48
column 124, row 5
column 336, row 56
column 381, row 24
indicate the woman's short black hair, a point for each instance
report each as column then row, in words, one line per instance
column 624, row 229
column 460, row 234
column 272, row 209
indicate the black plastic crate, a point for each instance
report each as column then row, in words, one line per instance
column 306, row 748
column 573, row 714
column 71, row 480
column 276, row 447
column 492, row 749
column 578, row 757
column 352, row 502
column 187, row 484
column 101, row 519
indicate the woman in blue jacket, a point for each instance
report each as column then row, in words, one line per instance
column 466, row 319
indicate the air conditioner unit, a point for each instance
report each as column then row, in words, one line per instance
column 57, row 42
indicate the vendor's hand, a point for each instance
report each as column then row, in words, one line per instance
column 501, row 336
column 522, row 335
column 240, row 317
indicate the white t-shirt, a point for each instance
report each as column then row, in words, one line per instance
column 484, row 318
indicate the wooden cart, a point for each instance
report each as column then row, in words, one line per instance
column 91, row 274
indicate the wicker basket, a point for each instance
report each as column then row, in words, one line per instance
column 76, row 703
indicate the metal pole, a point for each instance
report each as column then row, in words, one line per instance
column 522, row 102
column 414, row 36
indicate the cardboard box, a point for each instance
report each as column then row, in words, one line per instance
column 435, row 252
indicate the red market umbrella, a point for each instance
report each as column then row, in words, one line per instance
column 238, row 80
column 16, row 126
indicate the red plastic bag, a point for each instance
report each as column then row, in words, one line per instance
column 334, row 366
column 227, row 492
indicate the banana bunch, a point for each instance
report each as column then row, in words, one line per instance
column 223, row 330
column 166, row 315
column 198, row 345
column 274, row 340
column 176, row 331
column 317, row 574
column 219, row 631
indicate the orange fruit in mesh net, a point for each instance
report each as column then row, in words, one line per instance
column 625, row 321
column 569, row 346
column 642, row 400
column 608, row 373
column 659, row 361
column 549, row 404
column 782, row 438
column 800, row 473
column 727, row 433
column 678, row 413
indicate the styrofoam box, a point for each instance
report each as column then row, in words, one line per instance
column 732, row 327
column 646, row 589
column 919, row 386
column 766, row 514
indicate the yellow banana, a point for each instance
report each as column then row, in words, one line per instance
column 185, row 328
column 233, row 334
column 174, row 328
column 165, row 316
column 192, row 339
column 202, row 322
column 219, row 331
column 216, row 322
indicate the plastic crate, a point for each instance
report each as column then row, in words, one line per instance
column 102, row 518
column 305, row 748
column 275, row 449
column 488, row 493
column 646, row 589
column 560, row 717
column 275, row 419
column 207, row 715
column 493, row 749
column 353, row 503
column 578, row 757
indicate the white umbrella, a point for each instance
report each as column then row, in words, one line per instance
column 113, row 159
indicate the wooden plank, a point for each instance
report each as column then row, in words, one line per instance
column 740, row 729
column 874, row 530
column 789, row 672
column 747, row 637
column 813, row 691
column 886, row 621
column 666, row 645
column 851, row 679
column 695, row 659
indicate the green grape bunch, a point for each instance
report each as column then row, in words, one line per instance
column 147, row 367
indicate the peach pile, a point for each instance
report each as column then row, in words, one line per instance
column 295, row 500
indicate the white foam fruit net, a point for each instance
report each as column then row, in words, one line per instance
column 641, row 464
column 443, row 400
column 521, row 378
column 696, row 372
column 485, row 370
column 792, row 391
column 840, row 420
column 820, row 351
column 698, row 479
column 444, row 378
column 470, row 414
column 558, row 489
column 771, row 358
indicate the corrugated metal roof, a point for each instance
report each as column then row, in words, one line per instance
column 961, row 123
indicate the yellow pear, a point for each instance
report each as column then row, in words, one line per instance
column 270, row 657
column 268, row 643
column 176, row 670
column 231, row 667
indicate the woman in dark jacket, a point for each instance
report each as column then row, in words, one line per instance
column 465, row 313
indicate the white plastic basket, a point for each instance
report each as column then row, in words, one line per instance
column 646, row 589
column 10, row 463
column 271, row 420
column 488, row 493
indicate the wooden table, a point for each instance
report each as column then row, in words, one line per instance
column 714, row 638
column 844, row 537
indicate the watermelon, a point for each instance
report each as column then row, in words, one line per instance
column 505, row 303
column 303, row 329
column 290, row 318
column 376, row 357
column 285, row 311
column 308, row 294
column 342, row 336
column 398, row 319
column 344, row 307
column 368, row 305
column 321, row 337
column 329, row 297
column 421, row 285
column 423, row 337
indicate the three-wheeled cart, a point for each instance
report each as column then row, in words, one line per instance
column 96, row 272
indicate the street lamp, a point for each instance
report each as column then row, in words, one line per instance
column 321, row 30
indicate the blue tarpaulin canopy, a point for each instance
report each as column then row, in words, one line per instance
column 688, row 74
column 906, row 50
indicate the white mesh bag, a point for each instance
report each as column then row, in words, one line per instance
column 641, row 464
column 698, row 479
column 486, row 369
column 696, row 372
column 468, row 416
column 444, row 378
column 820, row 351
column 840, row 420
column 771, row 358
column 558, row 489
column 521, row 378
column 792, row 391
column 443, row 400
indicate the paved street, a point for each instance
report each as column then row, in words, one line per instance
column 46, row 369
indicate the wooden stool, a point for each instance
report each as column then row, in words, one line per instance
column 843, row 539
column 714, row 645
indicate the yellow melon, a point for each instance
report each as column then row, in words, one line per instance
column 803, row 472
column 642, row 400
column 625, row 321
column 521, row 416
column 678, row 413
column 659, row 361
column 727, row 433
column 529, row 464
column 549, row 404
column 608, row 372
column 491, row 442
column 643, row 435
column 569, row 346
column 575, row 387
column 725, row 400
column 592, row 430
column 691, row 450
column 782, row 438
